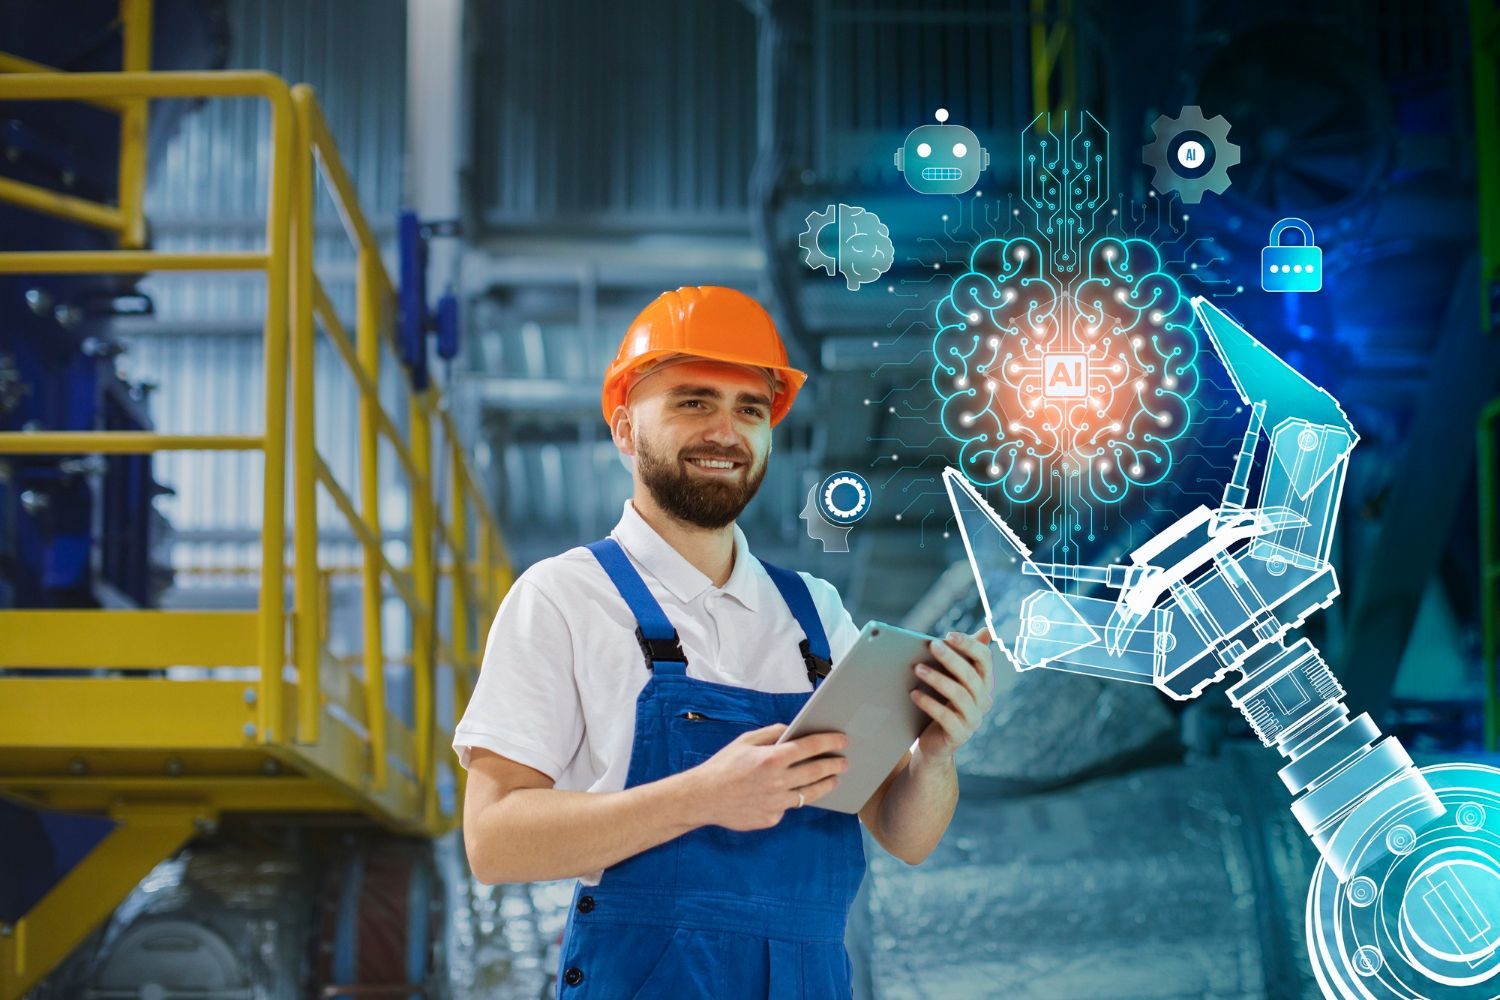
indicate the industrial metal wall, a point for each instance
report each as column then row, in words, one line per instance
column 673, row 144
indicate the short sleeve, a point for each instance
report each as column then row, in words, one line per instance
column 525, row 704
column 835, row 617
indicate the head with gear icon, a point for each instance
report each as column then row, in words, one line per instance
column 833, row 506
column 699, row 380
column 942, row 158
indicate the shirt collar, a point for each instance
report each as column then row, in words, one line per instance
column 684, row 580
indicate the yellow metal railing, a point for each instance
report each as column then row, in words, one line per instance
column 273, row 260
column 474, row 594
column 461, row 543
column 127, row 218
column 323, row 740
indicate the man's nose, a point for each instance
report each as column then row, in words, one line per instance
column 721, row 429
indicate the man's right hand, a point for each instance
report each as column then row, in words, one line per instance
column 753, row 780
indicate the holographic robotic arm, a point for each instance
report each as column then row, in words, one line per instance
column 1406, row 900
column 1218, row 591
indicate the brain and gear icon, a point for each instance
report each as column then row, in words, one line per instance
column 862, row 251
column 1191, row 154
column 833, row 506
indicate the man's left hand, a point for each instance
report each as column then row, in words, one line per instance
column 962, row 680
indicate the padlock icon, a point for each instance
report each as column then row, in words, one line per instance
column 1291, row 268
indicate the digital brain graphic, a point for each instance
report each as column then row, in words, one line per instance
column 1065, row 360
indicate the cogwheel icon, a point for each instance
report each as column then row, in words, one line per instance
column 1191, row 154
column 845, row 512
column 812, row 255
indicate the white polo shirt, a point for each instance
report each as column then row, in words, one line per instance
column 562, row 667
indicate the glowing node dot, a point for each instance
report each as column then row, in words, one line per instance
column 973, row 317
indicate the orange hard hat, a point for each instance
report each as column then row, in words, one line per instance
column 708, row 322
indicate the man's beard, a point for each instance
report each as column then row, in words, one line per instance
column 698, row 500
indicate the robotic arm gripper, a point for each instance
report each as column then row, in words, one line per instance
column 1217, row 593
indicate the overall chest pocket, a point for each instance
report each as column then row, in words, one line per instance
column 699, row 734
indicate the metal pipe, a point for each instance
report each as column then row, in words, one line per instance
column 275, row 346
column 136, row 27
column 367, row 331
column 425, row 584
column 121, row 442
column 62, row 206
column 10, row 63
column 130, row 261
column 306, row 587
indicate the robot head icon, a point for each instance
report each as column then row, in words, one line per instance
column 942, row 158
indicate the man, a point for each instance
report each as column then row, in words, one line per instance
column 624, row 725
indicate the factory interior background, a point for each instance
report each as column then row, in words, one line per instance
column 266, row 474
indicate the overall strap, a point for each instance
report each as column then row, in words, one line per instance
column 658, row 639
column 815, row 651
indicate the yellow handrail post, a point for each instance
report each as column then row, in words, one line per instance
column 424, row 582
column 305, row 621
column 367, row 332
column 273, row 525
column 135, row 30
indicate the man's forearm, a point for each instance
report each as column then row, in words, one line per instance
column 917, row 807
column 536, row 834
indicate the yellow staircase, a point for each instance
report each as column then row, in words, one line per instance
column 294, row 729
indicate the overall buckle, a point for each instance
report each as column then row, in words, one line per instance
column 668, row 650
column 817, row 666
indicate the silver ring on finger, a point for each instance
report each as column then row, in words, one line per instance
column 801, row 800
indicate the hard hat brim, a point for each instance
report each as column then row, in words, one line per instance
column 617, row 380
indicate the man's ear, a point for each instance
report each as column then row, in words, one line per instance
column 623, row 432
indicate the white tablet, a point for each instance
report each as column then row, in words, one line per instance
column 867, row 696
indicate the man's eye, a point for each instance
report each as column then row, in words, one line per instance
column 754, row 411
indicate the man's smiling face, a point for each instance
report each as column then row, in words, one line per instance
column 700, row 433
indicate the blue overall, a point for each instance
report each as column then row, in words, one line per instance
column 714, row 912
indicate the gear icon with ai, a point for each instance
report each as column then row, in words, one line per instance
column 1191, row 154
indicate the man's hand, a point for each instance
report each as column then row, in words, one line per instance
column 752, row 781
column 964, row 684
